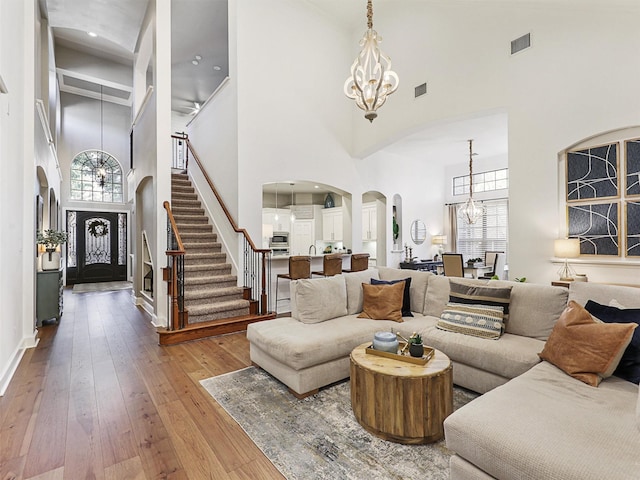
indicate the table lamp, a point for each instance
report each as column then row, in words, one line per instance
column 566, row 248
column 439, row 240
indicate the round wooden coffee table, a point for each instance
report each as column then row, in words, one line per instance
column 400, row 401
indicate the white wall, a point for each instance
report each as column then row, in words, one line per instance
column 577, row 79
column 81, row 128
column 17, row 184
column 293, row 119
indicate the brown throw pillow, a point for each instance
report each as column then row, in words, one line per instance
column 382, row 302
column 584, row 348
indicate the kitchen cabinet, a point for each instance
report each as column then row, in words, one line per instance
column 369, row 221
column 332, row 230
column 282, row 224
column 301, row 238
column 49, row 290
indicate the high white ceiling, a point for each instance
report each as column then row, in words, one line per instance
column 199, row 27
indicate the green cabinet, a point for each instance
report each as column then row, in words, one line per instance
column 49, row 296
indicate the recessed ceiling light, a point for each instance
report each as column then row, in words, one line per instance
column 198, row 57
column 92, row 34
column 195, row 62
column 316, row 186
column 217, row 68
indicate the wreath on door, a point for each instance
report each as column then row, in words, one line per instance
column 98, row 228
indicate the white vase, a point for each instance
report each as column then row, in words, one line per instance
column 50, row 260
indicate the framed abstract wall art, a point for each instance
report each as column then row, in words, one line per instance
column 597, row 227
column 632, row 167
column 592, row 173
column 632, row 231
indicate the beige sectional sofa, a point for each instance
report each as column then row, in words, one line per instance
column 533, row 421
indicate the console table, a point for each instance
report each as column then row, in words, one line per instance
column 428, row 265
column 49, row 289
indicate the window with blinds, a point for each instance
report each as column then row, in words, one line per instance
column 488, row 233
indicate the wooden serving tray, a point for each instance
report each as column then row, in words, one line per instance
column 428, row 354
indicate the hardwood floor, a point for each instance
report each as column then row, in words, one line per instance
column 99, row 399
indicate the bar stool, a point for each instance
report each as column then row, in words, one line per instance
column 359, row 262
column 299, row 267
column 331, row 265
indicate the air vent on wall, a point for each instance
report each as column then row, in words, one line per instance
column 420, row 90
column 520, row 43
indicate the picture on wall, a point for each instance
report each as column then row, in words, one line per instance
column 592, row 173
column 633, row 228
column 597, row 227
column 632, row 164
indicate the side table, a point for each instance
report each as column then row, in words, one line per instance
column 399, row 401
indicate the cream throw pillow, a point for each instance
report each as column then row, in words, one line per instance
column 320, row 299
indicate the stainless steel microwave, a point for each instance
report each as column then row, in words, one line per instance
column 280, row 238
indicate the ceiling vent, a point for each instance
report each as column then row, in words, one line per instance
column 521, row 43
column 420, row 90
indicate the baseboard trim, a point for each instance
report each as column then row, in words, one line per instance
column 30, row 341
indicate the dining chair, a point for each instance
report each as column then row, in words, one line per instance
column 331, row 265
column 453, row 264
column 299, row 267
column 499, row 263
column 359, row 262
column 490, row 259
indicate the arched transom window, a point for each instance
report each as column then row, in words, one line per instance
column 96, row 177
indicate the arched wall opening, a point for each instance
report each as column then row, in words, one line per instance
column 374, row 227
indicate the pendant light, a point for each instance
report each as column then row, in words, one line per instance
column 276, row 218
column 372, row 79
column 293, row 204
column 471, row 211
column 100, row 171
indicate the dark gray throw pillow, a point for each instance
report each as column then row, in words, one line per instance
column 629, row 366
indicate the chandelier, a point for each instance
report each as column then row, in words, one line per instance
column 372, row 79
column 100, row 170
column 471, row 211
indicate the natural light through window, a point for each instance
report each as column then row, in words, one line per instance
column 482, row 182
column 85, row 183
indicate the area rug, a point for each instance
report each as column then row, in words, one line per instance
column 318, row 437
column 101, row 287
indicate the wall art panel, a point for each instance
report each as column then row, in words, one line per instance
column 632, row 216
column 592, row 173
column 632, row 170
column 597, row 226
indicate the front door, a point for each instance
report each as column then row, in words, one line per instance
column 97, row 247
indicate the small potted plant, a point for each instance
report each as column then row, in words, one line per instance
column 416, row 349
column 472, row 261
column 51, row 240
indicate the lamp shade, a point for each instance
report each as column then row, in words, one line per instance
column 566, row 247
column 439, row 240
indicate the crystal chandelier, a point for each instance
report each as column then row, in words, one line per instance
column 372, row 79
column 471, row 211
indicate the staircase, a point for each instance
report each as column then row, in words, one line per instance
column 214, row 302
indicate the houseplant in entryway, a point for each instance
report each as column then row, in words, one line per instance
column 51, row 241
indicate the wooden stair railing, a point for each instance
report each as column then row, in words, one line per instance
column 256, row 261
column 173, row 274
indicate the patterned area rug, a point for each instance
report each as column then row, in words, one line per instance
column 318, row 437
column 101, row 287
